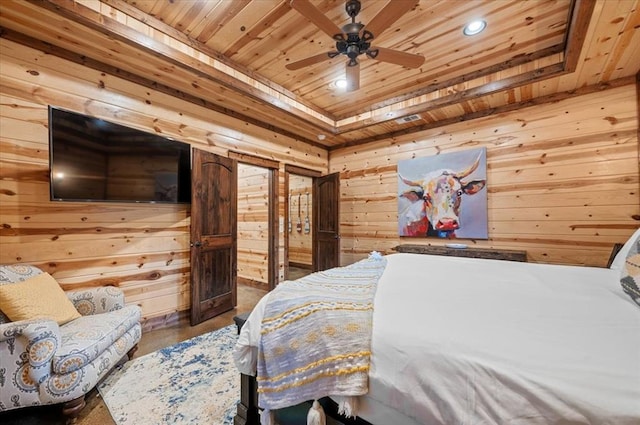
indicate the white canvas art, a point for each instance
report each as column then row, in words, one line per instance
column 444, row 196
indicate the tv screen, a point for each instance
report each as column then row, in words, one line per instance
column 96, row 160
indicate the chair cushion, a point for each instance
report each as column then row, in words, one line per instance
column 37, row 297
column 85, row 338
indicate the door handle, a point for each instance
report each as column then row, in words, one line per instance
column 197, row 244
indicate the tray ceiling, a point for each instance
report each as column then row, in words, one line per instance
column 232, row 57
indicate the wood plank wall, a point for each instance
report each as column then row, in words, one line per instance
column 253, row 225
column 563, row 179
column 300, row 241
column 144, row 249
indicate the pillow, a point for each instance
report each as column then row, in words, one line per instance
column 621, row 256
column 630, row 280
column 39, row 297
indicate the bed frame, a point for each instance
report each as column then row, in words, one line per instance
column 248, row 412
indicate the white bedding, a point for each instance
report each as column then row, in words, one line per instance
column 469, row 341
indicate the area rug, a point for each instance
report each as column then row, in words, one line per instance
column 192, row 382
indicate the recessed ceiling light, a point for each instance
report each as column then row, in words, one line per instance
column 341, row 83
column 474, row 27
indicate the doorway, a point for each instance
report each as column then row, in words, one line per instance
column 257, row 221
column 299, row 225
column 312, row 202
column 253, row 226
column 214, row 252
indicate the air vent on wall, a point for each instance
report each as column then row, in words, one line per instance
column 407, row 119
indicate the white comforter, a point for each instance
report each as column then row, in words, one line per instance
column 468, row 341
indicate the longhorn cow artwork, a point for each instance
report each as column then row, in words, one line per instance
column 444, row 195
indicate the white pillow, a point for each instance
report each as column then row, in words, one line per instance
column 621, row 256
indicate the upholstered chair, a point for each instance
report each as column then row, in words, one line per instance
column 43, row 362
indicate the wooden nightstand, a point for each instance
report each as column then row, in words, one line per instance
column 489, row 253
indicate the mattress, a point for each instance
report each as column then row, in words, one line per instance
column 473, row 341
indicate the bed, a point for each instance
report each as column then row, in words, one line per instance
column 475, row 341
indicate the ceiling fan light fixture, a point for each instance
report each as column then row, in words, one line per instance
column 474, row 27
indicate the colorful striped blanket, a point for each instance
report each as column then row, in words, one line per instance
column 316, row 335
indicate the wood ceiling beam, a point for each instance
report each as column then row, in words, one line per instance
column 580, row 17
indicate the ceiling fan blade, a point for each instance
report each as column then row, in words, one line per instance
column 312, row 13
column 312, row 60
column 352, row 74
column 388, row 15
column 397, row 57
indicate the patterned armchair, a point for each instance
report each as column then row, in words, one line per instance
column 44, row 363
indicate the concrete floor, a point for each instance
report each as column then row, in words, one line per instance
column 298, row 272
column 96, row 412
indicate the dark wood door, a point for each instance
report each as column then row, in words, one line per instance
column 213, row 235
column 326, row 222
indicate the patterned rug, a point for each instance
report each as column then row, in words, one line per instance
column 192, row 382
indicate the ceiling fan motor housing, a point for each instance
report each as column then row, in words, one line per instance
column 354, row 45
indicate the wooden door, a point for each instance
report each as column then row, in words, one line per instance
column 213, row 235
column 326, row 222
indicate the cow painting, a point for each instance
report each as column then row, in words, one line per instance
column 432, row 192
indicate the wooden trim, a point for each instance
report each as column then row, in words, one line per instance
column 274, row 228
column 287, row 217
column 254, row 160
column 301, row 265
column 164, row 321
column 253, row 283
column 471, row 252
column 580, row 16
column 306, row 172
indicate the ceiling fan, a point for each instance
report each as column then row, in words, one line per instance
column 354, row 39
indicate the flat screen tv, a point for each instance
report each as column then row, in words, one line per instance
column 95, row 160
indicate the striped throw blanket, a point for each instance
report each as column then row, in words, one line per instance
column 316, row 335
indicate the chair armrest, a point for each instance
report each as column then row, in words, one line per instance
column 38, row 339
column 97, row 300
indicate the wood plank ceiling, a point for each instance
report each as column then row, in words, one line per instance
column 230, row 55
